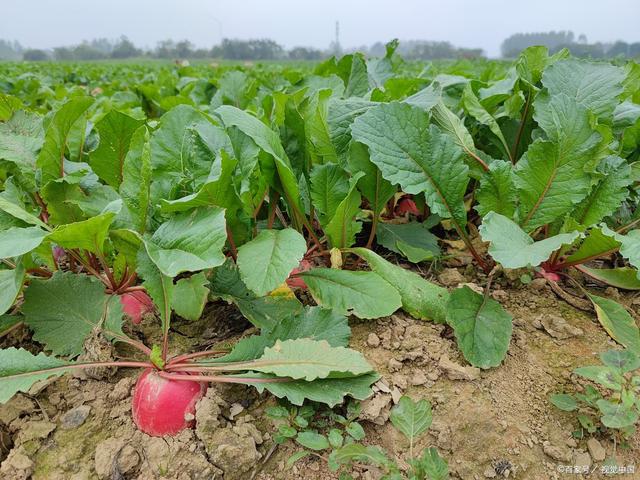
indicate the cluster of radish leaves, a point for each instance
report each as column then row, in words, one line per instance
column 247, row 174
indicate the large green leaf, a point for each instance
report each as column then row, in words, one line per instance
column 420, row 298
column 481, row 326
column 158, row 285
column 454, row 126
column 18, row 241
column 411, row 418
column 596, row 244
column 477, row 111
column 629, row 244
column 552, row 176
column 315, row 323
column 269, row 141
column 418, row 156
column 497, row 192
column 596, row 86
column 63, row 311
column 19, row 369
column 190, row 295
column 116, row 130
column 340, row 116
column 308, row 359
column 51, row 157
column 363, row 294
column 136, row 179
column 513, row 248
column 413, row 240
column 607, row 195
column 88, row 235
column 617, row 322
column 10, row 286
column 266, row 261
column 331, row 391
column 623, row 277
column 20, row 213
column 342, row 228
column 617, row 415
column 329, row 187
column 218, row 189
column 20, row 140
column 263, row 312
column 189, row 241
column 373, row 186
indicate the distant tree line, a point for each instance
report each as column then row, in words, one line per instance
column 579, row 47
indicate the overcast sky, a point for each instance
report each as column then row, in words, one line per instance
column 467, row 23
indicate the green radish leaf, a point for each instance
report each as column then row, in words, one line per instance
column 329, row 187
column 617, row 415
column 430, row 465
column 21, row 138
column 64, row 310
column 116, row 130
column 605, row 376
column 596, row 86
column 17, row 241
column 136, row 179
column 189, row 242
column 217, row 191
column 293, row 459
column 355, row 431
column 263, row 312
column 335, row 438
column 190, row 295
column 159, row 286
column 330, row 391
column 87, row 235
column 482, row 328
column 9, row 321
column 51, row 157
column 513, row 247
column 411, row 418
column 10, row 286
column 312, row 440
column 340, row 116
column 624, row 360
column 265, row 262
column 617, row 322
column 19, row 369
column 363, row 294
column 413, row 240
column 552, row 176
column 608, row 194
column 420, row 299
column 497, row 190
column 342, row 229
column 624, row 277
column 356, row 452
column 307, row 359
column 314, row 323
column 564, row 402
column 418, row 156
column 372, row 185
column 21, row 214
column 596, row 244
column 629, row 244
column 477, row 111
column 269, row 141
column 454, row 126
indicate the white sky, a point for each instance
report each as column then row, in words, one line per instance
column 468, row 23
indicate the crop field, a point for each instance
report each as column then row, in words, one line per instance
column 361, row 268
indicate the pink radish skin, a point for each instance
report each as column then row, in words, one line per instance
column 163, row 407
column 136, row 305
column 297, row 282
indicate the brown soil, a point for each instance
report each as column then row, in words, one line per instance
column 487, row 424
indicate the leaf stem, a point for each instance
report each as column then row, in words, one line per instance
column 221, row 378
column 523, row 120
column 189, row 356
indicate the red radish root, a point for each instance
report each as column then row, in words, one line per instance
column 136, row 305
column 163, row 407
